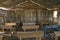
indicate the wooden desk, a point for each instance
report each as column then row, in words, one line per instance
column 30, row 27
column 7, row 27
column 56, row 35
column 30, row 35
column 42, row 23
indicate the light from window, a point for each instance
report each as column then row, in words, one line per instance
column 55, row 14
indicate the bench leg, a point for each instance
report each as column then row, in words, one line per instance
column 36, row 38
column 20, row 38
column 39, row 38
column 56, row 38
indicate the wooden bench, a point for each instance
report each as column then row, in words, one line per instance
column 7, row 26
column 30, row 27
column 43, row 23
column 37, row 35
column 56, row 35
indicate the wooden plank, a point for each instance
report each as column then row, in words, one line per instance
column 2, row 27
column 30, row 34
column 10, row 23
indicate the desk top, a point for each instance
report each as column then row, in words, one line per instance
column 10, row 23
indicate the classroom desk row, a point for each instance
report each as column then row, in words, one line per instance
column 21, row 35
column 23, row 27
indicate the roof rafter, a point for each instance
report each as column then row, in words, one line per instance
column 43, row 5
column 32, row 2
column 3, row 1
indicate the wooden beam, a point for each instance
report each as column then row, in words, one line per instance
column 19, row 4
column 32, row 2
column 4, row 1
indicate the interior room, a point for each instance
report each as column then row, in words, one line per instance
column 29, row 19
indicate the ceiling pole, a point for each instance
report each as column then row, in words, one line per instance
column 36, row 16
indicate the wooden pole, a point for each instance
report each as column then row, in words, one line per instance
column 36, row 17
